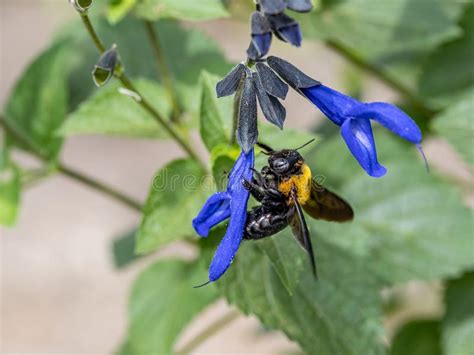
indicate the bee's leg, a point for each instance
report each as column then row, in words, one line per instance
column 257, row 191
column 258, row 178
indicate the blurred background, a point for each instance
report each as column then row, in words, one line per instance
column 60, row 291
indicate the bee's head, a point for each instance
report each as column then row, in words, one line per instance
column 285, row 162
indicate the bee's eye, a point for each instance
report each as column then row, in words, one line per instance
column 280, row 165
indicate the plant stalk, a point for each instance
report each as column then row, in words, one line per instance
column 207, row 333
column 163, row 68
column 33, row 149
column 169, row 127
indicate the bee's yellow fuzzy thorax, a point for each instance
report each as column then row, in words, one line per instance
column 302, row 182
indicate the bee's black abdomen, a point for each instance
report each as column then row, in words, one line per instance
column 262, row 222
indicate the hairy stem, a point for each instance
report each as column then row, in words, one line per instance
column 32, row 148
column 207, row 333
column 163, row 68
column 377, row 71
column 168, row 126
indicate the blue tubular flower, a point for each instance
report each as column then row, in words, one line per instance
column 352, row 116
column 222, row 205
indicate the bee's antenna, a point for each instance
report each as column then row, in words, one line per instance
column 304, row 145
column 204, row 284
column 266, row 148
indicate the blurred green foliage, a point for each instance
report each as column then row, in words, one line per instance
column 410, row 225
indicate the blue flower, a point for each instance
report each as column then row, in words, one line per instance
column 222, row 205
column 354, row 118
column 351, row 115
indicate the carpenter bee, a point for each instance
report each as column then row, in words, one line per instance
column 285, row 188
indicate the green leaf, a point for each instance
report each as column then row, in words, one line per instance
column 381, row 28
column 456, row 124
column 176, row 196
column 111, row 112
column 118, row 9
column 449, row 71
column 338, row 314
column 38, row 104
column 279, row 252
column 191, row 10
column 212, row 112
column 389, row 35
column 458, row 323
column 421, row 337
column 285, row 139
column 163, row 302
column 10, row 187
column 223, row 158
column 409, row 224
column 123, row 250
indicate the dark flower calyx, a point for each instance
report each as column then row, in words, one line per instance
column 286, row 29
column 272, row 109
column 247, row 131
column 106, row 66
column 231, row 82
column 272, row 84
column 292, row 75
column 299, row 5
column 273, row 7
column 81, row 5
column 261, row 36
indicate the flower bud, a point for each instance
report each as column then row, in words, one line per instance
column 299, row 5
column 273, row 7
column 261, row 36
column 106, row 66
column 286, row 28
column 81, row 5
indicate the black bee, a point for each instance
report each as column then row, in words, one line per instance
column 285, row 188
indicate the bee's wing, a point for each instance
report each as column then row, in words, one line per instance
column 301, row 232
column 324, row 204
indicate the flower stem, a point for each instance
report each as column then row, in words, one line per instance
column 208, row 332
column 33, row 149
column 163, row 68
column 90, row 29
column 169, row 127
column 377, row 71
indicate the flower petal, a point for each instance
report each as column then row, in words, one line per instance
column 392, row 118
column 335, row 105
column 215, row 210
column 230, row 243
column 242, row 170
column 360, row 140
